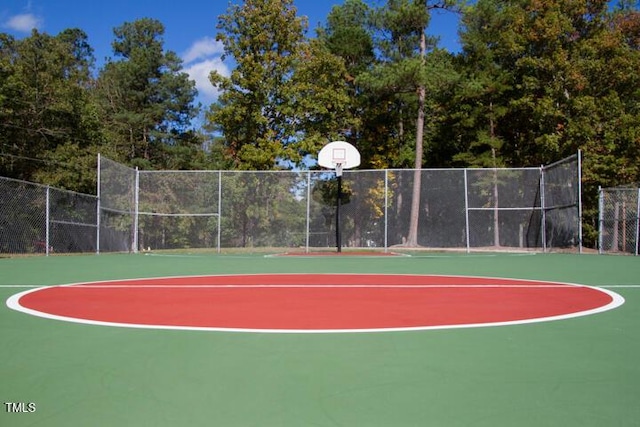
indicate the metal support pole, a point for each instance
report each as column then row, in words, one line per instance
column 48, row 220
column 219, row 211
column 98, row 208
column 308, row 226
column 338, row 203
column 466, row 210
column 580, row 201
column 638, row 223
column 600, row 220
column 136, row 195
column 386, row 210
column 543, row 211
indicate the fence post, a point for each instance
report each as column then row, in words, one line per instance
column 543, row 211
column 98, row 208
column 600, row 219
column 308, row 225
column 386, row 210
column 638, row 223
column 47, row 220
column 579, row 201
column 136, row 196
column 219, row 211
column 466, row 210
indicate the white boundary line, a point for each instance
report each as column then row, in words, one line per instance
column 97, row 286
column 13, row 303
column 397, row 255
column 20, row 286
column 302, row 286
column 621, row 286
column 331, row 255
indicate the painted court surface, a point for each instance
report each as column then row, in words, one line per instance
column 244, row 340
column 314, row 302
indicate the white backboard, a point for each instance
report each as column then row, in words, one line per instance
column 339, row 152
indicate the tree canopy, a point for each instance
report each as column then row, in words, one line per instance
column 533, row 81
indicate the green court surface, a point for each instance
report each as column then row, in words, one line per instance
column 580, row 372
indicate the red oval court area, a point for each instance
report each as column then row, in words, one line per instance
column 314, row 302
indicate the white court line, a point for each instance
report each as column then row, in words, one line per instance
column 396, row 255
column 332, row 255
column 476, row 255
column 14, row 303
column 22, row 286
column 400, row 255
column 620, row 286
column 89, row 285
column 301, row 286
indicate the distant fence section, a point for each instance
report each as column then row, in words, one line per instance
column 619, row 218
column 529, row 209
column 41, row 219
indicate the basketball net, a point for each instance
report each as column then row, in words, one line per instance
column 338, row 167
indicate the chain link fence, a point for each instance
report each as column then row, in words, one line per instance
column 116, row 206
column 512, row 209
column 41, row 219
column 461, row 209
column 619, row 220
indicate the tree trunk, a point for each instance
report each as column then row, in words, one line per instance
column 412, row 238
column 496, row 212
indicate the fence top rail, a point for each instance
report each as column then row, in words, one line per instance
column 569, row 159
column 20, row 181
column 93, row 196
column 237, row 171
column 177, row 171
column 631, row 188
column 45, row 186
column 304, row 171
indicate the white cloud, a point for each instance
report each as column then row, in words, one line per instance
column 201, row 58
column 23, row 23
column 203, row 48
column 199, row 72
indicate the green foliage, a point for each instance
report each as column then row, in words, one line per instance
column 555, row 77
column 286, row 98
column 535, row 81
column 346, row 35
column 45, row 106
column 145, row 100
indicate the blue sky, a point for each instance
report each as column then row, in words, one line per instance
column 190, row 26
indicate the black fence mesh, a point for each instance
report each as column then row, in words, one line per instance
column 461, row 209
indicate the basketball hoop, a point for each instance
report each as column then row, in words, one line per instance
column 339, row 155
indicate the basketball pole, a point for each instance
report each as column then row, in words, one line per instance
column 339, row 155
column 338, row 203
